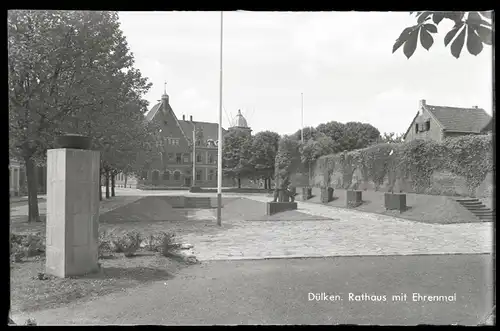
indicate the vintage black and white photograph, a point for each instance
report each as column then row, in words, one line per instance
column 251, row 167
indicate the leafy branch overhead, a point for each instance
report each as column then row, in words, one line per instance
column 472, row 29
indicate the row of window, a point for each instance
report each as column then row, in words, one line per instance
column 185, row 158
column 176, row 141
column 167, row 175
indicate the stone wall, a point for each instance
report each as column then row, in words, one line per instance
column 443, row 183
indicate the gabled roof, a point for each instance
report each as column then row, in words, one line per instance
column 466, row 120
column 210, row 130
column 152, row 112
column 411, row 125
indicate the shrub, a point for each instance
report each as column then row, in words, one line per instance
column 470, row 157
column 127, row 243
column 167, row 243
column 26, row 245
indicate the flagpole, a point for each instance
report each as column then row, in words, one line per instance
column 219, row 145
column 302, row 117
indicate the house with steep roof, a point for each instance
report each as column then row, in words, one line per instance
column 174, row 163
column 440, row 122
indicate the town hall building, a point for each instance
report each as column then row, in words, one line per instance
column 173, row 166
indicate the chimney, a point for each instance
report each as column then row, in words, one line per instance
column 191, row 118
column 422, row 103
column 183, row 117
column 475, row 107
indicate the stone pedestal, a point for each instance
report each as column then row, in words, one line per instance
column 326, row 194
column 72, row 212
column 395, row 201
column 354, row 198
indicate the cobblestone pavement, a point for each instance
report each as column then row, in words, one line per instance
column 353, row 233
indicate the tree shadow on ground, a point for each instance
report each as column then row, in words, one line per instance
column 140, row 274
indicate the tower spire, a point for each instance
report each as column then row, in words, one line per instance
column 165, row 87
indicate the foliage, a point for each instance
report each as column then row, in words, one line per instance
column 414, row 162
column 71, row 71
column 26, row 245
column 127, row 243
column 358, row 135
column 475, row 24
column 309, row 133
column 287, row 160
column 390, row 137
column 470, row 157
column 263, row 151
column 237, row 154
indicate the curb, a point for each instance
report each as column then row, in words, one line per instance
column 280, row 257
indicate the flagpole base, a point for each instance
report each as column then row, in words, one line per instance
column 219, row 209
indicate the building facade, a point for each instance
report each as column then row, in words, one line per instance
column 173, row 166
column 440, row 122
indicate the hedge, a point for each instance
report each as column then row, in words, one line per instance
column 468, row 156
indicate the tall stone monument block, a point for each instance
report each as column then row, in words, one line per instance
column 72, row 212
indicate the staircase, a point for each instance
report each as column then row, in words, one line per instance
column 477, row 208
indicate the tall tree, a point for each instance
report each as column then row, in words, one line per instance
column 309, row 133
column 358, row 135
column 470, row 28
column 264, row 148
column 237, row 152
column 63, row 67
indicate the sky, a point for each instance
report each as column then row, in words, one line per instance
column 341, row 62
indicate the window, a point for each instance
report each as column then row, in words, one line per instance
column 210, row 158
column 416, row 127
column 198, row 174
column 198, row 158
column 211, row 175
column 144, row 175
column 177, row 175
column 427, row 125
column 166, row 175
column 178, row 157
column 186, row 158
column 170, row 156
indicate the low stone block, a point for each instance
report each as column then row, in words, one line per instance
column 395, row 201
column 278, row 207
column 306, row 193
column 326, row 194
column 354, row 198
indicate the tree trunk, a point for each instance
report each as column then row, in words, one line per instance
column 100, row 186
column 265, row 183
column 33, row 214
column 239, row 182
column 107, row 184
column 125, row 180
column 113, row 184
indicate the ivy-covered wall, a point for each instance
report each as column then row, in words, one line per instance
column 457, row 166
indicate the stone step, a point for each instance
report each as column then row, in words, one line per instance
column 467, row 200
column 483, row 213
column 477, row 208
column 470, row 202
